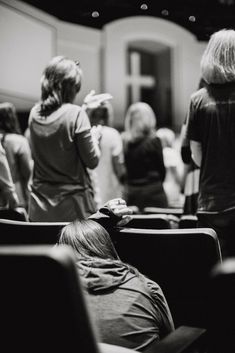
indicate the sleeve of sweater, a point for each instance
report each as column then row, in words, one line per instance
column 105, row 218
column 161, row 305
column 86, row 142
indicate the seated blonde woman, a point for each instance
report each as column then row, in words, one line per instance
column 127, row 308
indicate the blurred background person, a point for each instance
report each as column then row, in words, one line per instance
column 18, row 152
column 8, row 196
column 110, row 172
column 173, row 183
column 143, row 157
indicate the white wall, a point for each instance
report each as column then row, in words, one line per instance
column 27, row 44
column 82, row 44
column 186, row 54
column 29, row 38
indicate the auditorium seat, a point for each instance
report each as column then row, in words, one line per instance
column 188, row 221
column 17, row 214
column 18, row 232
column 43, row 308
column 179, row 260
column 160, row 210
column 221, row 331
column 153, row 221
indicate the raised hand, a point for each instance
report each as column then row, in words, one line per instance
column 93, row 100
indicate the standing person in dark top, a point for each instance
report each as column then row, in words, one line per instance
column 143, row 158
column 127, row 308
column 211, row 130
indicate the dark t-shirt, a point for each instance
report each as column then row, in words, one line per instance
column 212, row 123
column 144, row 160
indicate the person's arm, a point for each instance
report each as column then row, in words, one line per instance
column 163, row 313
column 6, row 184
column 119, row 167
column 160, row 159
column 194, row 132
column 86, row 141
column 25, row 161
column 186, row 154
column 196, row 148
column 118, row 156
column 114, row 213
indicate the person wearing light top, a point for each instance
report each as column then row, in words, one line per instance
column 109, row 175
column 63, row 146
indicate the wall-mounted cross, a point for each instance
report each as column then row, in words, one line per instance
column 135, row 80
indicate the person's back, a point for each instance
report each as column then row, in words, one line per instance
column 55, row 154
column 62, row 147
column 143, row 158
column 217, row 130
column 128, row 309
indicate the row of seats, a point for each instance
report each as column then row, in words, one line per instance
column 147, row 220
column 179, row 260
column 43, row 308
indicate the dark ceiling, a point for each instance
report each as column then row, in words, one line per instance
column 201, row 17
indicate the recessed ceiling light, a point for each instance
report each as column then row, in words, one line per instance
column 95, row 14
column 192, row 18
column 144, row 7
column 165, row 12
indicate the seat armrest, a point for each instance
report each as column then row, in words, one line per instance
column 110, row 348
column 184, row 339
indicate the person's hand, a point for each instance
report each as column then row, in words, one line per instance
column 93, row 100
column 13, row 200
column 119, row 208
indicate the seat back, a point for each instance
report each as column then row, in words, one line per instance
column 18, row 214
column 188, row 221
column 222, row 308
column 162, row 210
column 42, row 304
column 153, row 221
column 18, row 232
column 179, row 261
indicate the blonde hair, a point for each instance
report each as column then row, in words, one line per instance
column 140, row 121
column 218, row 60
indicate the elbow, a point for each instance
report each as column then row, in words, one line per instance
column 93, row 163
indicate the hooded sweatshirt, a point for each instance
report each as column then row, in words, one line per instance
column 127, row 308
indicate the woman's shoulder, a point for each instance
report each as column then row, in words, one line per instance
column 151, row 287
column 15, row 139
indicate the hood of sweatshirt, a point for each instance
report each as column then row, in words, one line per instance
column 100, row 275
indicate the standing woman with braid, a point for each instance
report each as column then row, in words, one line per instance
column 63, row 146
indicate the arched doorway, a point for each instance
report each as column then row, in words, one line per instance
column 148, row 77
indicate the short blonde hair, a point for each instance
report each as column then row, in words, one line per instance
column 140, row 121
column 218, row 60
